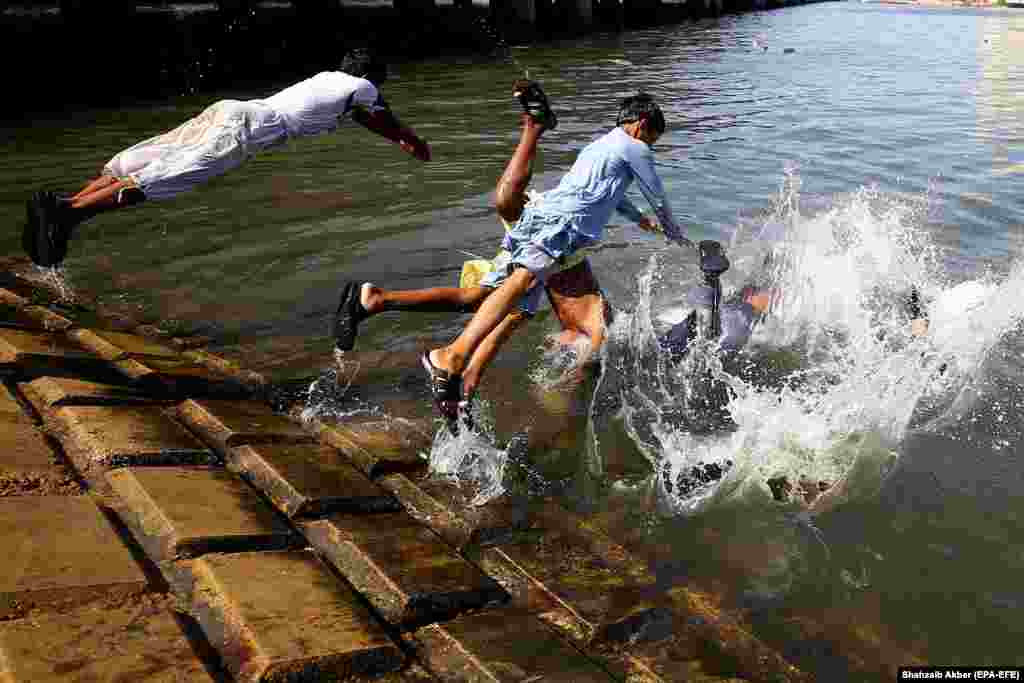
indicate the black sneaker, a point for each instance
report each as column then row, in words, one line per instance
column 47, row 233
column 535, row 102
column 348, row 316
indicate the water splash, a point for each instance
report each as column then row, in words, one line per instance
column 833, row 378
column 470, row 458
column 326, row 395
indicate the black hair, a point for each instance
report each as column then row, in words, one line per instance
column 365, row 63
column 641, row 106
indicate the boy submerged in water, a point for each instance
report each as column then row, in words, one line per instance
column 221, row 138
column 556, row 227
column 573, row 291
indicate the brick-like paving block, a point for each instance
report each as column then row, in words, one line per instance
column 117, row 436
column 27, row 463
column 503, row 645
column 53, row 392
column 445, row 507
column 233, row 423
column 30, row 351
column 282, row 616
column 139, row 644
column 61, row 549
column 402, row 567
column 118, row 345
column 304, row 480
column 186, row 511
column 378, row 447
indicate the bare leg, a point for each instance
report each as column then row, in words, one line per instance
column 105, row 197
column 491, row 313
column 436, row 299
column 510, row 194
column 94, row 185
column 488, row 350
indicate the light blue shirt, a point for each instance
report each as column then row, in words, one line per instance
column 596, row 186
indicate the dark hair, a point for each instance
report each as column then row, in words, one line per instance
column 641, row 106
column 365, row 63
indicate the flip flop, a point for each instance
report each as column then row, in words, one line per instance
column 446, row 389
column 535, row 102
column 348, row 316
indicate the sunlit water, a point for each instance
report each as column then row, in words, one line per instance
column 885, row 151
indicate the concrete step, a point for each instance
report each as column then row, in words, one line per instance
column 26, row 352
column 503, row 645
column 98, row 438
column 61, row 550
column 309, row 480
column 179, row 512
column 47, row 393
column 28, row 466
column 142, row 643
column 277, row 616
column 226, row 424
column 403, row 568
column 377, row 447
column 114, row 346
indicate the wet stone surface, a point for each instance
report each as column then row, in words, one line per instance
column 142, row 644
column 187, row 511
column 233, row 423
column 403, row 568
column 309, row 480
column 118, row 436
column 378, row 447
column 61, row 550
column 282, row 616
column 54, row 392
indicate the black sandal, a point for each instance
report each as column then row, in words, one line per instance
column 535, row 103
column 446, row 389
column 46, row 234
column 348, row 316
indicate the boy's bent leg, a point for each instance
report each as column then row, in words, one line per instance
column 510, row 193
column 492, row 312
column 488, row 349
column 578, row 303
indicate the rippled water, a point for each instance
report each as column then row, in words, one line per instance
column 886, row 148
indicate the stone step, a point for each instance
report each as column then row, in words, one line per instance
column 142, row 643
column 113, row 346
column 503, row 645
column 282, row 616
column 28, row 466
column 27, row 352
column 309, row 480
column 377, row 447
column 179, row 377
column 233, row 423
column 61, row 550
column 405, row 570
column 97, row 438
column 179, row 512
column 446, row 508
column 46, row 393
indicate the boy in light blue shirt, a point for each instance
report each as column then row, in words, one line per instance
column 559, row 224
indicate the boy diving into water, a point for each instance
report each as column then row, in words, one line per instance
column 572, row 290
column 219, row 139
column 556, row 227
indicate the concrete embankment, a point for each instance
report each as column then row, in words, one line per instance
column 166, row 523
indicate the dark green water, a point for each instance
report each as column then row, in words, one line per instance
column 925, row 104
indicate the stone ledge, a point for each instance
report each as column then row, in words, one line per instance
column 45, row 393
column 309, row 480
column 282, row 616
column 233, row 423
column 178, row 512
column 117, row 436
column 140, row 644
column 28, row 466
column 33, row 352
column 503, row 645
column 377, row 447
column 120, row 345
column 406, row 572
column 61, row 551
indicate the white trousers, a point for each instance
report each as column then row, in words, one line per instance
column 221, row 138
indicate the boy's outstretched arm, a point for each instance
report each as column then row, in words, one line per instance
column 384, row 123
column 653, row 191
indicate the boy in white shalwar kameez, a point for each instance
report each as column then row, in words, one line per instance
column 222, row 137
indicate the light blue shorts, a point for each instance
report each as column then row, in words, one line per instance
column 542, row 244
